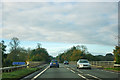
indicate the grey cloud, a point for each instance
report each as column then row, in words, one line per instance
column 56, row 22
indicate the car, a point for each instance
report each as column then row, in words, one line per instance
column 83, row 63
column 54, row 63
column 65, row 62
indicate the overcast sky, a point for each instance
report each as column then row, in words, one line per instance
column 65, row 22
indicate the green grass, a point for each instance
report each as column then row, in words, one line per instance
column 18, row 73
column 115, row 69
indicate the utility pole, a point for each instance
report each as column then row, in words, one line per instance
column 119, row 24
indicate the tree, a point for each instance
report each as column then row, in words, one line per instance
column 14, row 50
column 116, row 52
column 77, row 54
column 14, row 43
column 17, row 53
column 109, row 57
column 90, row 57
column 38, row 45
column 73, row 54
column 20, row 54
column 100, row 58
column 83, row 48
column 39, row 54
column 3, row 48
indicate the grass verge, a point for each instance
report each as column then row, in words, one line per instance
column 113, row 69
column 18, row 73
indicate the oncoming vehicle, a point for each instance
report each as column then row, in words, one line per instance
column 54, row 63
column 66, row 62
column 83, row 63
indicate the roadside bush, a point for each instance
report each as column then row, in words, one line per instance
column 7, row 63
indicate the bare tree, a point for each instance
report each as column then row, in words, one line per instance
column 14, row 43
column 38, row 45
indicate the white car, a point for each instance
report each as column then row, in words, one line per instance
column 83, row 63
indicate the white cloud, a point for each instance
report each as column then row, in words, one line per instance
column 93, row 23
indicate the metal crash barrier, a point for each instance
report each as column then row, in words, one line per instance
column 10, row 69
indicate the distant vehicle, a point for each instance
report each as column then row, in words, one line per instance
column 66, row 62
column 83, row 63
column 54, row 63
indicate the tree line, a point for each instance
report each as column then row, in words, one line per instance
column 20, row 54
column 79, row 52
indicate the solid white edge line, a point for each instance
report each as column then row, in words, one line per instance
column 72, row 71
column 39, row 73
column 94, row 76
column 82, row 76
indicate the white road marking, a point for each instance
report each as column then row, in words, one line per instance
column 112, row 72
column 109, row 71
column 73, row 68
column 82, row 76
column 66, row 65
column 106, row 71
column 80, row 71
column 72, row 71
column 39, row 73
column 94, row 77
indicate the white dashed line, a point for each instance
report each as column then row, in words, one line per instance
column 72, row 71
column 112, row 72
column 80, row 71
column 39, row 73
column 109, row 71
column 73, row 68
column 94, row 77
column 82, row 76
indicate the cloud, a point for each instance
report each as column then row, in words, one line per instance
column 92, row 23
column 60, row 1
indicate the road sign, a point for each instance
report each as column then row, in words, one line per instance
column 18, row 63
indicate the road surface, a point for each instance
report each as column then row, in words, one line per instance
column 71, row 72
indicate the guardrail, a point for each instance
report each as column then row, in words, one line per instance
column 32, row 64
column 36, row 63
column 108, row 64
column 10, row 69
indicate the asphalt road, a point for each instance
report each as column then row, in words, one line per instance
column 71, row 72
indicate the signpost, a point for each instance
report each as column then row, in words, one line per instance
column 18, row 63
